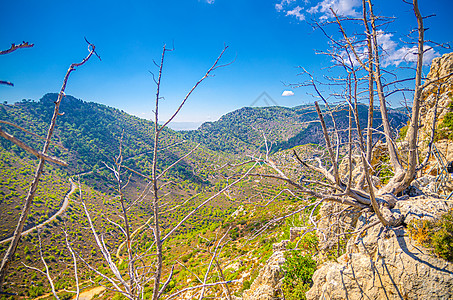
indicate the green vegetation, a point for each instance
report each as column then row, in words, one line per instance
column 403, row 132
column 298, row 277
column 437, row 235
column 14, row 184
column 242, row 130
column 299, row 268
column 445, row 129
column 88, row 134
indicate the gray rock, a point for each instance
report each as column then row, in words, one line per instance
column 267, row 285
column 387, row 264
column 334, row 219
column 422, row 208
column 280, row 246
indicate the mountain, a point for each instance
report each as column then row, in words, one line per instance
column 244, row 129
column 88, row 135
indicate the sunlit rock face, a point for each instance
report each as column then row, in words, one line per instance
column 386, row 263
column 267, row 285
column 440, row 92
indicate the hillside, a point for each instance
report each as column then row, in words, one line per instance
column 88, row 135
column 243, row 129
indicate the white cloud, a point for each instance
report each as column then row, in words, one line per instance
column 210, row 1
column 391, row 54
column 406, row 54
column 346, row 8
column 341, row 7
column 296, row 12
column 287, row 93
column 282, row 4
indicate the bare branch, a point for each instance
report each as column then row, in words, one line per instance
column 15, row 47
column 213, row 68
column 42, row 156
column 39, row 169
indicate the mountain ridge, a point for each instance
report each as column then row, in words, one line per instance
column 244, row 129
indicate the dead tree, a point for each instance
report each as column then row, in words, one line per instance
column 145, row 268
column 43, row 157
column 361, row 61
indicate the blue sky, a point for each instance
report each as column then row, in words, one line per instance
column 268, row 39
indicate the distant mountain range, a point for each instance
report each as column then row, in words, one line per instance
column 89, row 133
column 245, row 129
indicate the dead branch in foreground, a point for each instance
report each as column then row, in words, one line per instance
column 39, row 169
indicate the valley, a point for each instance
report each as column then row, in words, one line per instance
column 242, row 211
column 343, row 189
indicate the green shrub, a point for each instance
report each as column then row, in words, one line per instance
column 443, row 238
column 298, row 277
column 403, row 132
column 118, row 296
column 437, row 235
column 445, row 129
column 35, row 291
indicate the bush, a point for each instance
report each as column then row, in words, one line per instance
column 35, row 291
column 403, row 132
column 443, row 238
column 437, row 235
column 298, row 277
column 246, row 285
column 445, row 129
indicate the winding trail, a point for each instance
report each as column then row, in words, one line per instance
column 65, row 202
column 59, row 212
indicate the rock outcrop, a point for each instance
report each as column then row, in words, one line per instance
column 333, row 221
column 267, row 285
column 442, row 93
column 385, row 263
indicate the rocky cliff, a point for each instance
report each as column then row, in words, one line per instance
column 437, row 101
column 267, row 286
column 387, row 263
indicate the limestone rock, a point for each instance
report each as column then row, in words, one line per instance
column 267, row 285
column 235, row 265
column 440, row 66
column 426, row 183
column 387, row 264
column 422, row 208
column 334, row 219
column 280, row 246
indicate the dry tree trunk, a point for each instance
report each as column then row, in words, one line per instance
column 158, row 240
column 412, row 132
column 140, row 276
column 348, row 54
column 39, row 170
column 393, row 151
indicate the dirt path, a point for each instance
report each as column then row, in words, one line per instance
column 66, row 200
column 59, row 212
column 88, row 295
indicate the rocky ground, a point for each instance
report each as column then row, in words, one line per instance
column 379, row 263
column 385, row 263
